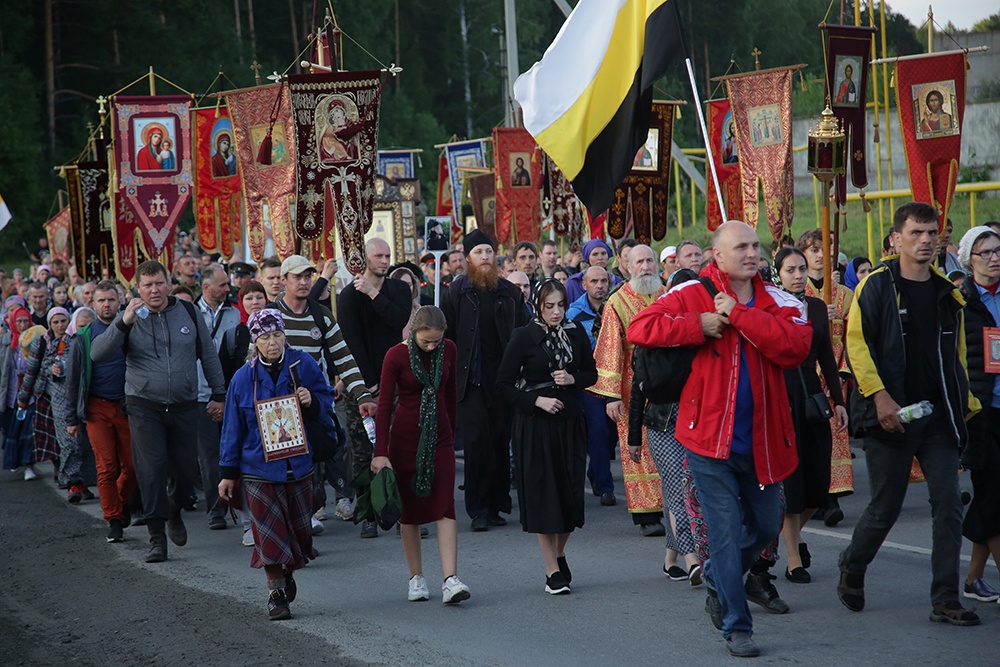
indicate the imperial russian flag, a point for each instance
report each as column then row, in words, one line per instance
column 5, row 215
column 587, row 101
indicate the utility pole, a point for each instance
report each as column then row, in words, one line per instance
column 508, row 111
column 513, row 67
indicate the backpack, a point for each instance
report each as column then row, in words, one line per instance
column 662, row 372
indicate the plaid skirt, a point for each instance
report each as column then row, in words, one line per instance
column 18, row 444
column 46, row 444
column 281, row 520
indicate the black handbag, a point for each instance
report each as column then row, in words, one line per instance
column 818, row 410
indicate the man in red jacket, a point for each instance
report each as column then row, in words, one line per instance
column 734, row 416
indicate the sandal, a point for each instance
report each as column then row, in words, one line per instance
column 953, row 613
column 851, row 590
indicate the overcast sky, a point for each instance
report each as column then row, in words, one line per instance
column 963, row 13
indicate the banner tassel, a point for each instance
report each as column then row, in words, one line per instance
column 264, row 152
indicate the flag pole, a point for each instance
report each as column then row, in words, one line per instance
column 709, row 159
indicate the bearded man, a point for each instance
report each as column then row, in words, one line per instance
column 483, row 310
column 613, row 354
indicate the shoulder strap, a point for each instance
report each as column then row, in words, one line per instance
column 319, row 317
column 193, row 314
column 709, row 286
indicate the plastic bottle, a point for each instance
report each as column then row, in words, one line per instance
column 21, row 414
column 142, row 312
column 914, row 412
column 370, row 427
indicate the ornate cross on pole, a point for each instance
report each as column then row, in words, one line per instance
column 101, row 101
column 255, row 66
column 756, row 53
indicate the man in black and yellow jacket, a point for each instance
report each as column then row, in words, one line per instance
column 906, row 344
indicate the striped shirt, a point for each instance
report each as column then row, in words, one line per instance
column 303, row 334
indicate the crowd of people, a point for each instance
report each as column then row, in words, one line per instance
column 299, row 393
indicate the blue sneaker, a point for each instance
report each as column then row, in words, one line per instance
column 982, row 591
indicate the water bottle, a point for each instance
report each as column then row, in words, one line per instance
column 21, row 414
column 142, row 312
column 369, row 423
column 914, row 412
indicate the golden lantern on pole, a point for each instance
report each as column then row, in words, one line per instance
column 826, row 160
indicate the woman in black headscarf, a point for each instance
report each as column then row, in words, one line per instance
column 546, row 365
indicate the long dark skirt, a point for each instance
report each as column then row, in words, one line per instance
column 809, row 485
column 18, row 439
column 551, row 467
column 982, row 520
column 280, row 517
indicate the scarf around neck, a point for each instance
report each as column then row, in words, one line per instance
column 427, row 448
column 556, row 343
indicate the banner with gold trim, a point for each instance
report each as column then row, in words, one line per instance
column 559, row 202
column 268, row 189
column 59, row 232
column 930, row 100
column 218, row 204
column 726, row 154
column 336, row 139
column 762, row 107
column 482, row 189
column 518, row 170
column 91, row 215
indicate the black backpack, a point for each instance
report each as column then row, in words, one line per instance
column 662, row 372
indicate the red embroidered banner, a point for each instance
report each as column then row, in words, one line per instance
column 152, row 155
column 762, row 107
column 930, row 99
column 643, row 195
column 217, row 184
column 559, row 201
column 848, row 53
column 444, row 205
column 91, row 214
column 482, row 189
column 336, row 139
column 268, row 189
column 518, row 169
column 59, row 232
column 726, row 155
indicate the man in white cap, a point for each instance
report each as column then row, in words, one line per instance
column 668, row 260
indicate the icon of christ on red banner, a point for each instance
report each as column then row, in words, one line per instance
column 518, row 179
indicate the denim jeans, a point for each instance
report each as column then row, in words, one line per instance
column 602, row 439
column 933, row 443
column 742, row 518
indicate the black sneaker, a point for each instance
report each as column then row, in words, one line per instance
column 760, row 590
column 714, row 608
column 116, row 531
column 176, row 530
column 157, row 549
column 564, row 568
column 291, row 588
column 556, row 584
column 126, row 516
column 740, row 645
column 369, row 529
column 480, row 524
column 496, row 520
column 217, row 522
column 277, row 606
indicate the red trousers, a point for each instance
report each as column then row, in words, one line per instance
column 107, row 428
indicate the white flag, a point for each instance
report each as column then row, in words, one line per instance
column 5, row 215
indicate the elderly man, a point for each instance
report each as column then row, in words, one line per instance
column 521, row 281
column 38, row 300
column 595, row 253
column 734, row 411
column 601, row 434
column 613, row 354
column 689, row 256
column 482, row 310
column 84, row 295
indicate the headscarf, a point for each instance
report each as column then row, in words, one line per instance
column 55, row 310
column 556, row 341
column 592, row 245
column 851, row 279
column 779, row 259
column 260, row 323
column 15, row 335
column 427, row 447
column 968, row 242
column 73, row 327
column 14, row 299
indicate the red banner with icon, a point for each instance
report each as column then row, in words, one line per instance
column 726, row 155
column 518, row 170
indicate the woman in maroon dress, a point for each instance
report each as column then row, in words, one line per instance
column 415, row 436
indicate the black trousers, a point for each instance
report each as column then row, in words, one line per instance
column 485, row 428
column 164, row 444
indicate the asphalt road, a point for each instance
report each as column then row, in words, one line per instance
column 70, row 598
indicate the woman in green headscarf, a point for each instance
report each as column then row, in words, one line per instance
column 415, row 436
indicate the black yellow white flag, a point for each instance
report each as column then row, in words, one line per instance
column 587, row 101
column 5, row 215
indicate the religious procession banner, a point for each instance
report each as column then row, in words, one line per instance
column 268, row 189
column 153, row 175
column 642, row 198
column 336, row 139
column 91, row 216
column 58, row 231
column 395, row 165
column 559, row 202
column 482, row 189
column 762, row 108
column 444, row 203
column 587, row 102
column 462, row 155
column 848, row 54
column 930, row 99
column 726, row 154
column 518, row 171
column 218, row 204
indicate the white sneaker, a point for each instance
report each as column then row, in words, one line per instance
column 345, row 509
column 317, row 526
column 321, row 514
column 418, row 589
column 248, row 538
column 30, row 474
column 454, row 591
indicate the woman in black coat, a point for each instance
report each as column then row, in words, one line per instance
column 545, row 366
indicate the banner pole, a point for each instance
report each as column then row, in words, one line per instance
column 709, row 158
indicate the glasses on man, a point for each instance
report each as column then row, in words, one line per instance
column 988, row 254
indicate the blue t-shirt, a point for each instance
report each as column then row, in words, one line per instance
column 107, row 378
column 743, row 421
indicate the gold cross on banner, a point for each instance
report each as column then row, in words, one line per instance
column 256, row 71
column 756, row 53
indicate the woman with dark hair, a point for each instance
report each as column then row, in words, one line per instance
column 278, row 488
column 806, row 489
column 415, row 436
column 546, row 364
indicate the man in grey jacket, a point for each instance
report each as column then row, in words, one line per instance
column 163, row 339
